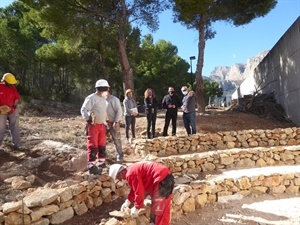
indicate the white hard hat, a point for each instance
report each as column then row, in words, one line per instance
column 114, row 170
column 101, row 83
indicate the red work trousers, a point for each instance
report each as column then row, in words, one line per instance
column 96, row 141
column 161, row 207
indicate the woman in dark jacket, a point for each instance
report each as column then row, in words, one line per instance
column 150, row 110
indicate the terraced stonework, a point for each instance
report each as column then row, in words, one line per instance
column 202, row 177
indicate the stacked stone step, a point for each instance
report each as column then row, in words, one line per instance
column 204, row 155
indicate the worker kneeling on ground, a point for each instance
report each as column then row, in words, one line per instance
column 152, row 178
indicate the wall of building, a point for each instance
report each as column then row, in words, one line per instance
column 279, row 72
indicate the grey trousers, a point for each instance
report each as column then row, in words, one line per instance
column 116, row 137
column 13, row 126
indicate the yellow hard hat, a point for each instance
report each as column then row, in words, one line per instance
column 9, row 78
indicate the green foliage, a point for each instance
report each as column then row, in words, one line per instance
column 58, row 55
column 201, row 15
column 160, row 67
column 211, row 89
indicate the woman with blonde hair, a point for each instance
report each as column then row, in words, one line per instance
column 130, row 112
column 151, row 111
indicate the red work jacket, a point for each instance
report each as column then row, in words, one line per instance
column 142, row 178
column 8, row 95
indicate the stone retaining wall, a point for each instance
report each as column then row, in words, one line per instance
column 186, row 198
column 164, row 146
column 213, row 161
column 64, row 199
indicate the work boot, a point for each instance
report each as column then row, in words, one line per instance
column 95, row 170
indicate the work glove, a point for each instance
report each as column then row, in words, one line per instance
column 134, row 212
column 4, row 109
column 126, row 204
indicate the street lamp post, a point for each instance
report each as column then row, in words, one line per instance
column 192, row 80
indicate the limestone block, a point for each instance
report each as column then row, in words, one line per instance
column 98, row 201
column 224, row 193
column 1, row 217
column 11, row 206
column 225, row 199
column 201, row 200
column 189, row 205
column 113, row 221
column 179, row 198
column 62, row 216
column 272, row 181
column 41, row 197
column 258, row 190
column 208, row 167
column 105, row 192
column 260, row 163
column 286, row 156
column 226, row 160
column 77, row 189
column 14, row 218
column 89, row 202
column 212, row 197
column 292, row 189
column 121, row 191
column 90, row 184
column 297, row 181
column 42, row 221
column 65, row 194
column 230, row 144
column 253, row 144
column 278, row 189
column 64, row 205
column 142, row 220
column 80, row 208
column 81, row 197
column 107, row 199
column 38, row 213
column 20, row 184
column 292, row 142
column 270, row 161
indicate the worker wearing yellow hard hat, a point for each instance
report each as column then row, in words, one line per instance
column 9, row 100
column 9, row 78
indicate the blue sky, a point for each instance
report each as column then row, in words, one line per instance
column 231, row 44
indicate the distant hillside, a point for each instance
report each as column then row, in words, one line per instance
column 230, row 78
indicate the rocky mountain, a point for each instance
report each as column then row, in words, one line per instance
column 230, row 78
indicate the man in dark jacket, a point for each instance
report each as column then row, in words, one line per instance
column 171, row 102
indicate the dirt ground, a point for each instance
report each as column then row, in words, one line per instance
column 66, row 126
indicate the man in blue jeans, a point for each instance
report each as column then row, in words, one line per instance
column 189, row 110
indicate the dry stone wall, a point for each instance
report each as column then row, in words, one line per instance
column 197, row 179
column 165, row 146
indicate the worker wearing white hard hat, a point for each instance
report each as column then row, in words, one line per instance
column 152, row 178
column 93, row 111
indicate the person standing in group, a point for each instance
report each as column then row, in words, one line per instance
column 9, row 100
column 189, row 110
column 151, row 111
column 130, row 112
column 114, row 113
column 171, row 102
column 152, row 178
column 93, row 111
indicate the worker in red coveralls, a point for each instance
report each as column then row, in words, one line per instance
column 147, row 177
column 93, row 111
column 9, row 100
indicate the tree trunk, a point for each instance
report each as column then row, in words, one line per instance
column 199, row 78
column 125, row 65
column 127, row 71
